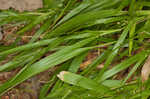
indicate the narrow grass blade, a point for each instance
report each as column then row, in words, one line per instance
column 100, row 4
column 143, row 13
column 125, row 64
column 27, row 47
column 59, row 83
column 96, row 62
column 146, row 3
column 114, row 51
column 124, row 4
column 104, row 21
column 82, row 19
column 134, row 69
column 45, row 88
column 37, row 20
column 75, row 11
column 42, row 29
column 62, row 14
column 132, row 8
column 131, row 37
column 75, row 65
column 18, row 61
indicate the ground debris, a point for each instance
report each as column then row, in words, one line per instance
column 146, row 70
column 1, row 35
column 89, row 59
column 21, row 5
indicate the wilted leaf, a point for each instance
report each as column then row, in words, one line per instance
column 85, row 64
column 1, row 35
column 146, row 70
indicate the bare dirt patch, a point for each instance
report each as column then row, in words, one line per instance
column 21, row 5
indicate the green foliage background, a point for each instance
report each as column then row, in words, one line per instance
column 71, row 29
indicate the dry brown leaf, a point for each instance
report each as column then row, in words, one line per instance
column 146, row 70
column 8, row 34
column 1, row 35
column 90, row 57
column 26, row 39
column 85, row 64
column 5, row 97
column 100, row 66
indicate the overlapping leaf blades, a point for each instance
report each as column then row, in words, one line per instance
column 78, row 28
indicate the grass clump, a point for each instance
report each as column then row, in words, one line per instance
column 118, row 29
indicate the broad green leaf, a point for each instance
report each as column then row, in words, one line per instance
column 112, row 83
column 82, row 19
column 46, row 63
column 38, row 67
column 81, row 81
column 28, row 56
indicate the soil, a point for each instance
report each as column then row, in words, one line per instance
column 21, row 5
column 30, row 88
